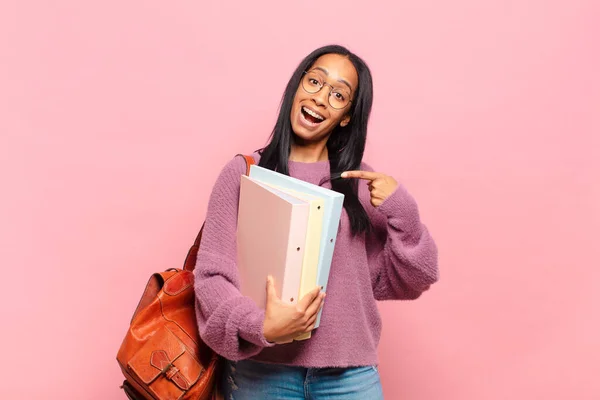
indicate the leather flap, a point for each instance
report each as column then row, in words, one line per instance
column 165, row 354
column 190, row 369
column 178, row 283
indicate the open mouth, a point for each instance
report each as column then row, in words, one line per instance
column 311, row 116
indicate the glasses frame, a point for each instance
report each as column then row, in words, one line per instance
column 321, row 88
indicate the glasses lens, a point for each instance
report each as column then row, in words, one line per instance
column 312, row 82
column 339, row 98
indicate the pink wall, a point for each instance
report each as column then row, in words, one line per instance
column 115, row 118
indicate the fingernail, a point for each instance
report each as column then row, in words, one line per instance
column 344, row 174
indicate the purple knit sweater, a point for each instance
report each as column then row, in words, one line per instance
column 397, row 261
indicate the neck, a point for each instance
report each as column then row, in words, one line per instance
column 309, row 153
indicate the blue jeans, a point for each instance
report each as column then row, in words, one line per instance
column 251, row 380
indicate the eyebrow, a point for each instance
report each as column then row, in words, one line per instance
column 339, row 80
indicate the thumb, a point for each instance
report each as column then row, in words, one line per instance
column 271, row 293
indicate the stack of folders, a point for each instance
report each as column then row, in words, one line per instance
column 287, row 228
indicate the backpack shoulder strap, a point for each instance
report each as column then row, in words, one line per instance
column 190, row 259
column 249, row 162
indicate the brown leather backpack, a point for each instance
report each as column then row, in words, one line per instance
column 162, row 355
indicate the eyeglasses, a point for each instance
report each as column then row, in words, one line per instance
column 338, row 98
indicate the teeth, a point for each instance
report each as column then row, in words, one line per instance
column 311, row 112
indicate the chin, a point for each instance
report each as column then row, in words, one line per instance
column 303, row 135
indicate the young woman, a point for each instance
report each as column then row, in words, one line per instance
column 382, row 251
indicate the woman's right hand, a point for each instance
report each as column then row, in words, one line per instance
column 283, row 322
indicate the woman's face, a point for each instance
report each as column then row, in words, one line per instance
column 313, row 117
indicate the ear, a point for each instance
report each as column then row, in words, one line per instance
column 345, row 121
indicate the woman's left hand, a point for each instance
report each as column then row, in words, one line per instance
column 381, row 186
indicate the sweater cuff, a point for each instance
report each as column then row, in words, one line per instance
column 251, row 329
column 402, row 207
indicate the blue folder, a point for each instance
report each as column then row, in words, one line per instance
column 334, row 203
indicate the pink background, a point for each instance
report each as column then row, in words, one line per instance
column 115, row 118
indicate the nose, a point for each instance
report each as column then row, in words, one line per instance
column 321, row 97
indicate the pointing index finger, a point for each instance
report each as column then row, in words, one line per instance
column 361, row 175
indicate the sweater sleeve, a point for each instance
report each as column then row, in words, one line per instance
column 230, row 323
column 403, row 257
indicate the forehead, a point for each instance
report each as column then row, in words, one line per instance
column 338, row 67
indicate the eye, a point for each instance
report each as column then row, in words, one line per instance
column 314, row 82
column 339, row 96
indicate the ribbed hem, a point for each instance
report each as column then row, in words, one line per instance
column 251, row 329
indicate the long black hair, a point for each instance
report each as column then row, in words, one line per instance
column 345, row 146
